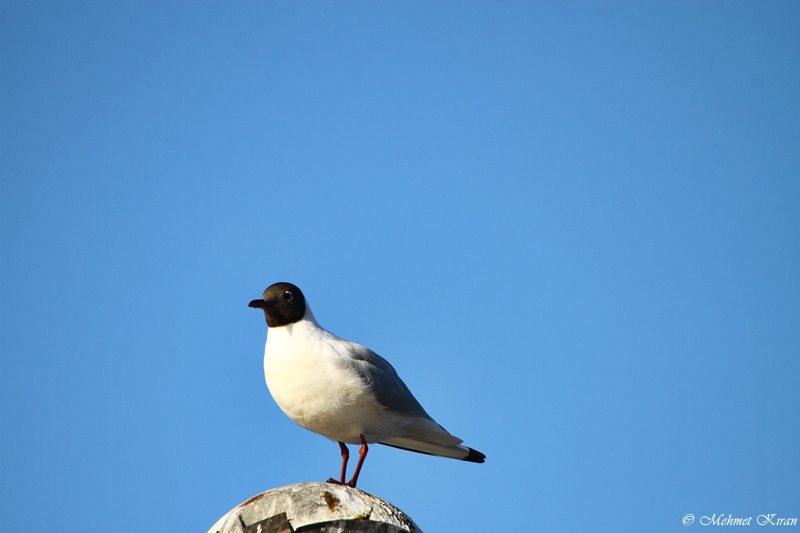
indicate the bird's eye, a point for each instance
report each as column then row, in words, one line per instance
column 288, row 296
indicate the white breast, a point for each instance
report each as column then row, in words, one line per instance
column 303, row 370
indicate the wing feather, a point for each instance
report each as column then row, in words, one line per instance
column 382, row 380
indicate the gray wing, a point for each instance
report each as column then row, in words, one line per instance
column 383, row 381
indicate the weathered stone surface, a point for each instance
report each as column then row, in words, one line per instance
column 318, row 507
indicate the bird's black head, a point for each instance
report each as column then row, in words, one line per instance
column 283, row 304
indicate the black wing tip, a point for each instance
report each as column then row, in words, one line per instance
column 475, row 456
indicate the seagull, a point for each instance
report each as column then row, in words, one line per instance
column 343, row 390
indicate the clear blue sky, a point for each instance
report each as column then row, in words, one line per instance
column 573, row 228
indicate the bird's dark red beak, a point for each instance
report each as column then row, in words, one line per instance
column 257, row 304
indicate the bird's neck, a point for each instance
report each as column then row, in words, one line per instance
column 306, row 327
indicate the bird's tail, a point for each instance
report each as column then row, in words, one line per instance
column 454, row 452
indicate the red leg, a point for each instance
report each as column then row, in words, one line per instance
column 345, row 457
column 362, row 454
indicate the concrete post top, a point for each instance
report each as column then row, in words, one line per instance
column 310, row 507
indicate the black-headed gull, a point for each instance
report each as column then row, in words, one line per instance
column 342, row 390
